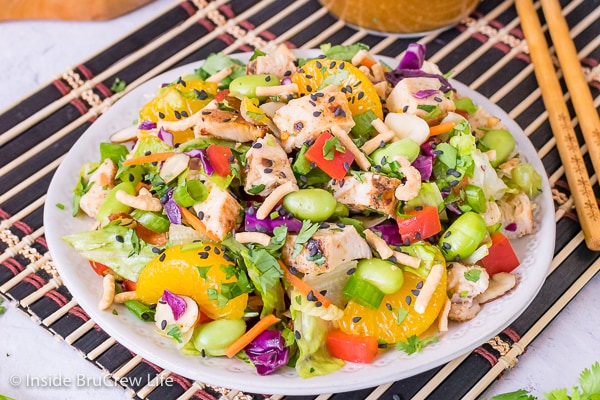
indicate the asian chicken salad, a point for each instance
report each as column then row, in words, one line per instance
column 306, row 212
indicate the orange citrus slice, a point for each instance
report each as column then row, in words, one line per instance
column 384, row 324
column 179, row 100
column 359, row 90
column 198, row 271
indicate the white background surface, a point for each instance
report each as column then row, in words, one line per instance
column 32, row 53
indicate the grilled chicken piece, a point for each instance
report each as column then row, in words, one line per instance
column 220, row 211
column 103, row 180
column 227, row 125
column 307, row 117
column 517, row 215
column 267, row 164
column 402, row 98
column 278, row 62
column 327, row 249
column 465, row 282
column 371, row 192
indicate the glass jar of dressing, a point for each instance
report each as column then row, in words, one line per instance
column 401, row 17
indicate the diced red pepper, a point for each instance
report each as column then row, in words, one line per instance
column 419, row 224
column 128, row 286
column 100, row 268
column 337, row 167
column 501, row 256
column 352, row 348
column 220, row 158
column 220, row 96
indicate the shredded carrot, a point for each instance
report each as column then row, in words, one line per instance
column 149, row 158
column 197, row 224
column 302, row 286
column 250, row 335
column 441, row 128
column 141, row 185
column 368, row 62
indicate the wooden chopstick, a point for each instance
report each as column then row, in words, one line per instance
column 560, row 121
column 581, row 96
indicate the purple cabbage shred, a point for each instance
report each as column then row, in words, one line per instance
column 268, row 352
column 423, row 94
column 254, row 224
column 413, row 57
column 147, row 125
column 177, row 304
column 424, row 164
column 171, row 208
column 389, row 233
column 201, row 154
column 511, row 227
column 166, row 137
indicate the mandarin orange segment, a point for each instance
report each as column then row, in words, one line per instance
column 359, row 90
column 197, row 273
column 177, row 101
column 383, row 322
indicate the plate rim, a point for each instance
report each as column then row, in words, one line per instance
column 258, row 384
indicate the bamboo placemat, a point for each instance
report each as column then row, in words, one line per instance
column 486, row 51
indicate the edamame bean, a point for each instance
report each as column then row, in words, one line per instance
column 384, row 274
column 341, row 211
column 499, row 140
column 245, row 85
column 111, row 205
column 316, row 205
column 404, row 147
column 214, row 337
column 463, row 237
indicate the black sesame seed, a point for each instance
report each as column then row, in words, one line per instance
column 287, row 73
column 161, row 115
column 311, row 296
column 163, row 324
column 351, row 271
column 323, row 225
column 201, row 94
column 323, row 292
column 227, row 257
column 415, row 292
column 177, row 114
column 156, row 250
column 418, row 235
column 200, row 215
column 217, row 251
column 360, row 95
column 308, row 88
column 130, row 177
column 405, row 109
column 268, row 170
column 448, row 233
column 257, row 145
column 316, row 113
column 231, row 158
column 389, row 306
column 202, row 353
column 418, row 208
column 226, row 119
column 119, row 239
column 339, row 112
column 207, row 248
column 453, row 183
column 419, row 285
column 282, row 174
column 408, row 300
column 446, row 245
column 203, row 255
column 341, row 183
column 297, row 335
column 268, row 78
column 312, row 103
column 332, row 64
column 331, row 99
column 303, row 179
column 340, row 225
column 298, row 126
column 436, row 98
column 318, row 304
column 393, row 259
column 319, row 94
column 147, row 153
column 206, row 112
column 346, row 166
column 184, row 114
column 356, row 319
column 313, row 97
column 382, row 345
column 162, row 257
column 342, row 65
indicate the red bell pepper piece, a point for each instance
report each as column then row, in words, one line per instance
column 352, row 348
column 501, row 256
column 419, row 224
column 100, row 269
column 220, row 158
column 337, row 166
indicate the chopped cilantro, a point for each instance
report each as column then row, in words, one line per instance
column 473, row 275
column 175, row 332
column 415, row 345
column 118, row 85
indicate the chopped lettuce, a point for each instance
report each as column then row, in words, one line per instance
column 115, row 246
column 486, row 177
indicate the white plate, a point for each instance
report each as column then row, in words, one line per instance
column 535, row 252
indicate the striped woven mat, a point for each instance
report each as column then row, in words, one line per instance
column 486, row 52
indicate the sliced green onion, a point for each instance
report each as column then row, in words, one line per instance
column 363, row 292
column 190, row 193
column 141, row 310
column 151, row 220
column 475, row 198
